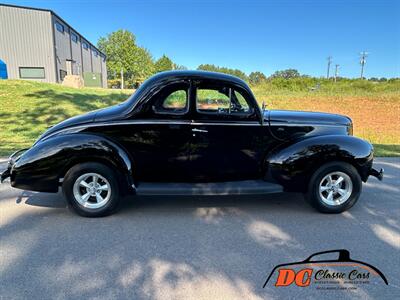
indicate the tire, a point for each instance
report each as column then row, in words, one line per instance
column 344, row 194
column 104, row 197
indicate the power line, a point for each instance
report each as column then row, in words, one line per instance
column 329, row 66
column 363, row 60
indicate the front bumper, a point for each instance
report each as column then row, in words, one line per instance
column 11, row 161
column 376, row 173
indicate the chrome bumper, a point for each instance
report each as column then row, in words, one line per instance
column 376, row 173
column 11, row 161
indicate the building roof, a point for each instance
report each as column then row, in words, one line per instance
column 53, row 13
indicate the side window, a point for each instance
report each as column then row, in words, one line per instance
column 74, row 37
column 32, row 72
column 241, row 104
column 176, row 100
column 172, row 100
column 212, row 100
column 221, row 100
column 60, row 27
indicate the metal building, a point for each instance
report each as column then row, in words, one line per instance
column 37, row 44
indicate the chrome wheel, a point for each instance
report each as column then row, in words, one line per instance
column 92, row 190
column 335, row 188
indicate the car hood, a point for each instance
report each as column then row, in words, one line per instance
column 303, row 117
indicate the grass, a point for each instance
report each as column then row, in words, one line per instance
column 375, row 113
column 27, row 108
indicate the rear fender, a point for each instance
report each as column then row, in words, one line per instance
column 41, row 167
column 293, row 164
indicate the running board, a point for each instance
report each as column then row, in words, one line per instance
column 246, row 187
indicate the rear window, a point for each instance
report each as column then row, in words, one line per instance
column 172, row 100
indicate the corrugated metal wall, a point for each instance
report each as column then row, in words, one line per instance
column 76, row 54
column 26, row 41
column 86, row 55
column 29, row 38
column 96, row 61
column 104, row 72
column 63, row 47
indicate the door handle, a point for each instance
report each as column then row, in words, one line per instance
column 199, row 130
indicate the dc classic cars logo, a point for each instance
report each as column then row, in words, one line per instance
column 342, row 272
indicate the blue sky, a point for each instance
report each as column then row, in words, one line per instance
column 251, row 35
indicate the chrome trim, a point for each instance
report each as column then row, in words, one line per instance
column 76, row 128
column 199, row 130
column 304, row 124
column 252, row 123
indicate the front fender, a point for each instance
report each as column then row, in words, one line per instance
column 293, row 164
column 41, row 167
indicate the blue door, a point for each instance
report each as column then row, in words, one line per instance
column 3, row 70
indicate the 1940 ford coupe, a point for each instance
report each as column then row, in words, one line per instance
column 195, row 133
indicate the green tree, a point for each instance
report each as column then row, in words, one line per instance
column 164, row 63
column 256, row 77
column 213, row 68
column 124, row 54
column 179, row 67
column 286, row 74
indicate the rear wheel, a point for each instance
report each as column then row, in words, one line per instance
column 91, row 189
column 334, row 187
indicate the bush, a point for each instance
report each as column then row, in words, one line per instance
column 114, row 83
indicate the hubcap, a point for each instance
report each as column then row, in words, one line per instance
column 92, row 190
column 335, row 188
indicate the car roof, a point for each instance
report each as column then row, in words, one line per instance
column 197, row 74
column 151, row 85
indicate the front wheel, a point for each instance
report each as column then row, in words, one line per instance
column 334, row 187
column 91, row 190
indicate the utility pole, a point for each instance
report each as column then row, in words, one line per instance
column 329, row 66
column 363, row 60
column 122, row 78
column 336, row 71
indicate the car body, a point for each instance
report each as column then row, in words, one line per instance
column 194, row 132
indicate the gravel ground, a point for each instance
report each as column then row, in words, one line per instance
column 191, row 247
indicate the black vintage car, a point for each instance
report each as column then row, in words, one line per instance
column 195, row 133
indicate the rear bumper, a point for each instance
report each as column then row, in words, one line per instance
column 11, row 161
column 376, row 173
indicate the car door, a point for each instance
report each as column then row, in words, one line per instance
column 158, row 138
column 228, row 139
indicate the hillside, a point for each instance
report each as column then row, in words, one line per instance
column 27, row 108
